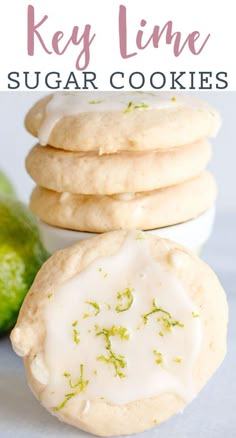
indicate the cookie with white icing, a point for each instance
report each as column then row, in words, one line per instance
column 127, row 211
column 108, row 122
column 119, row 332
column 88, row 173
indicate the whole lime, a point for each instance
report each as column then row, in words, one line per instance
column 6, row 186
column 21, row 256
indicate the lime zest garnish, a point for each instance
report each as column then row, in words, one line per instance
column 95, row 306
column 116, row 360
column 158, row 357
column 75, row 332
column 82, row 384
column 131, row 105
column 122, row 332
column 195, row 315
column 67, row 398
column 141, row 106
column 126, row 299
column 168, row 320
column 154, row 309
column 105, row 274
column 95, row 102
column 177, row 359
column 76, row 338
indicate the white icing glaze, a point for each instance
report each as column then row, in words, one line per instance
column 132, row 267
column 65, row 104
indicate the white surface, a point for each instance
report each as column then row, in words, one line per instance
column 211, row 415
column 191, row 234
column 16, row 142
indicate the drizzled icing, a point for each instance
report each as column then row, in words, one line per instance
column 71, row 103
column 156, row 349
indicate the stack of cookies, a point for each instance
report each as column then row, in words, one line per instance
column 129, row 160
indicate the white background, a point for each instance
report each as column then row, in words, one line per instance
column 16, row 142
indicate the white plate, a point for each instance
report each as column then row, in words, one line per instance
column 192, row 234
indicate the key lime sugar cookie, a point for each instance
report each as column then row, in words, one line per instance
column 145, row 210
column 120, row 121
column 89, row 173
column 119, row 332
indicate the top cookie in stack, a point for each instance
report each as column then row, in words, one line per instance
column 127, row 160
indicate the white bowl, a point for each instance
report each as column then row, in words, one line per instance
column 192, row 234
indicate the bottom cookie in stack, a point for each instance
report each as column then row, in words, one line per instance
column 152, row 210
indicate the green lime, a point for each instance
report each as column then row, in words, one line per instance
column 21, row 256
column 6, row 186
